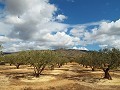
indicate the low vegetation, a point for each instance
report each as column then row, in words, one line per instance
column 105, row 59
column 72, row 64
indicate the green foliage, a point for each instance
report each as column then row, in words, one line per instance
column 40, row 59
column 1, row 47
column 62, row 57
column 100, row 58
column 1, row 56
column 16, row 59
column 105, row 59
column 110, row 57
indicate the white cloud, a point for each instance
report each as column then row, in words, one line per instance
column 19, row 7
column 61, row 40
column 61, row 17
column 4, row 39
column 104, row 33
column 33, row 24
column 103, row 46
column 30, row 21
column 78, row 31
column 50, row 41
column 24, row 45
column 13, row 20
column 108, row 33
column 4, row 29
column 80, row 48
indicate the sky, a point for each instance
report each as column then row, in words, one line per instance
column 54, row 24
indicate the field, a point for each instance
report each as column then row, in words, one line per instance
column 69, row 77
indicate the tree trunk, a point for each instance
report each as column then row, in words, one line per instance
column 93, row 69
column 106, row 74
column 37, row 75
column 17, row 66
column 52, row 67
column 38, row 71
column 86, row 66
column 42, row 69
column 59, row 65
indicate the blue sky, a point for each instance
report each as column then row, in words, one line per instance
column 85, row 11
column 52, row 24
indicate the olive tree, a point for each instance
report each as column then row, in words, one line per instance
column 62, row 57
column 83, row 60
column 105, row 59
column 2, row 62
column 93, row 59
column 110, row 59
column 40, row 59
column 16, row 59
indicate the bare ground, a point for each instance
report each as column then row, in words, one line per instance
column 69, row 77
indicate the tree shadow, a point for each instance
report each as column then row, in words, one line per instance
column 84, row 78
column 61, row 69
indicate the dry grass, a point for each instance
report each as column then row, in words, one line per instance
column 40, row 79
column 68, row 77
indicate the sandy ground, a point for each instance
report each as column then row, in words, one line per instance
column 40, row 79
column 115, row 81
column 69, row 77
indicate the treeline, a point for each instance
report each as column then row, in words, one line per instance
column 105, row 59
column 40, row 59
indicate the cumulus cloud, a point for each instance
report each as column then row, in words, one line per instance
column 4, row 29
column 61, row 40
column 13, row 20
column 4, row 39
column 24, row 45
column 32, row 19
column 106, row 34
column 80, row 48
column 19, row 7
column 50, row 41
column 32, row 23
column 103, row 46
column 61, row 17
column 78, row 31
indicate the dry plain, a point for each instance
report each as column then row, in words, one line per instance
column 69, row 77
